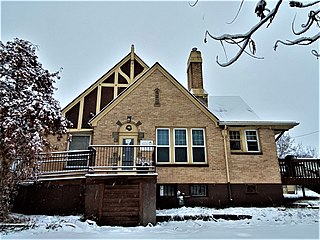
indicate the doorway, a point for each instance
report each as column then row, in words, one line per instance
column 127, row 152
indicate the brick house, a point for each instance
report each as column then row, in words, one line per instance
column 214, row 151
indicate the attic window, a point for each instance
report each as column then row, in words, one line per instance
column 157, row 97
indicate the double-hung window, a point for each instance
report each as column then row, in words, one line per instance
column 163, row 145
column 252, row 141
column 180, row 146
column 198, row 145
column 235, row 140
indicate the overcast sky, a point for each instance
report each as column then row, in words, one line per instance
column 88, row 38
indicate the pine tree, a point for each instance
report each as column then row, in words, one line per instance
column 28, row 113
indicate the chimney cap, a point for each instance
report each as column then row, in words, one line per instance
column 194, row 49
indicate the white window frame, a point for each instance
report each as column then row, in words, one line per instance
column 168, row 146
column 204, row 145
column 257, row 135
column 174, row 145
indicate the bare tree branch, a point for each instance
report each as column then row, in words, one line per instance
column 312, row 18
column 237, row 13
column 315, row 53
column 193, row 4
column 245, row 38
column 301, row 5
column 298, row 41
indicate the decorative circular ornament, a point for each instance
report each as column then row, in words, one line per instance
column 129, row 127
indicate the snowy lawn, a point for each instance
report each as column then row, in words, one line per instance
column 266, row 223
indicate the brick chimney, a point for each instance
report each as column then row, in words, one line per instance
column 195, row 79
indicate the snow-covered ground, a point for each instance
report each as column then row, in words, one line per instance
column 266, row 223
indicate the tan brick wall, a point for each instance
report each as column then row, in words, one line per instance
column 176, row 110
column 57, row 145
column 257, row 168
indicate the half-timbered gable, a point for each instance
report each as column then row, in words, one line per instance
column 103, row 91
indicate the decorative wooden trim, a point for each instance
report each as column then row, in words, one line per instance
column 98, row 99
column 80, row 113
column 155, row 67
column 72, row 130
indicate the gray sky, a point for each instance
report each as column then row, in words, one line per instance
column 88, row 38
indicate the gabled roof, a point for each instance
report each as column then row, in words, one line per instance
column 105, row 89
column 135, row 84
column 103, row 77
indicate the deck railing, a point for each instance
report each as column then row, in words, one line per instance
column 124, row 158
column 300, row 171
column 99, row 159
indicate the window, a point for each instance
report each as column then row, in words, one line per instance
column 180, row 145
column 198, row 190
column 174, row 146
column 198, row 145
column 157, row 97
column 80, row 158
column 167, row 190
column 163, row 145
column 242, row 141
column 235, row 140
column 251, row 188
column 252, row 141
column 79, row 142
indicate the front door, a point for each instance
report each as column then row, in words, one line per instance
column 127, row 152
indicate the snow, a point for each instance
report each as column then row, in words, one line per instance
column 231, row 108
column 266, row 223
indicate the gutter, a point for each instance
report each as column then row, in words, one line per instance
column 288, row 124
column 225, row 134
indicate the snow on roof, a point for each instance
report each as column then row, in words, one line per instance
column 231, row 108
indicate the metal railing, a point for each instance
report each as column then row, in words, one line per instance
column 124, row 158
column 106, row 159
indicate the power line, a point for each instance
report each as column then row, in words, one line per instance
column 306, row 134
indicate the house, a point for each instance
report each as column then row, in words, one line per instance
column 151, row 139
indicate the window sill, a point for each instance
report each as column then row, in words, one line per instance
column 182, row 165
column 246, row 153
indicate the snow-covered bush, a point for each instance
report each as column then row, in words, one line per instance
column 28, row 113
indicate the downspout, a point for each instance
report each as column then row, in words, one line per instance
column 225, row 134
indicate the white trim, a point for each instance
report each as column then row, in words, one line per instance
column 257, row 140
column 174, row 145
column 259, row 123
column 204, row 145
column 168, row 146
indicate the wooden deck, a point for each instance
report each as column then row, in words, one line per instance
column 301, row 171
column 99, row 160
